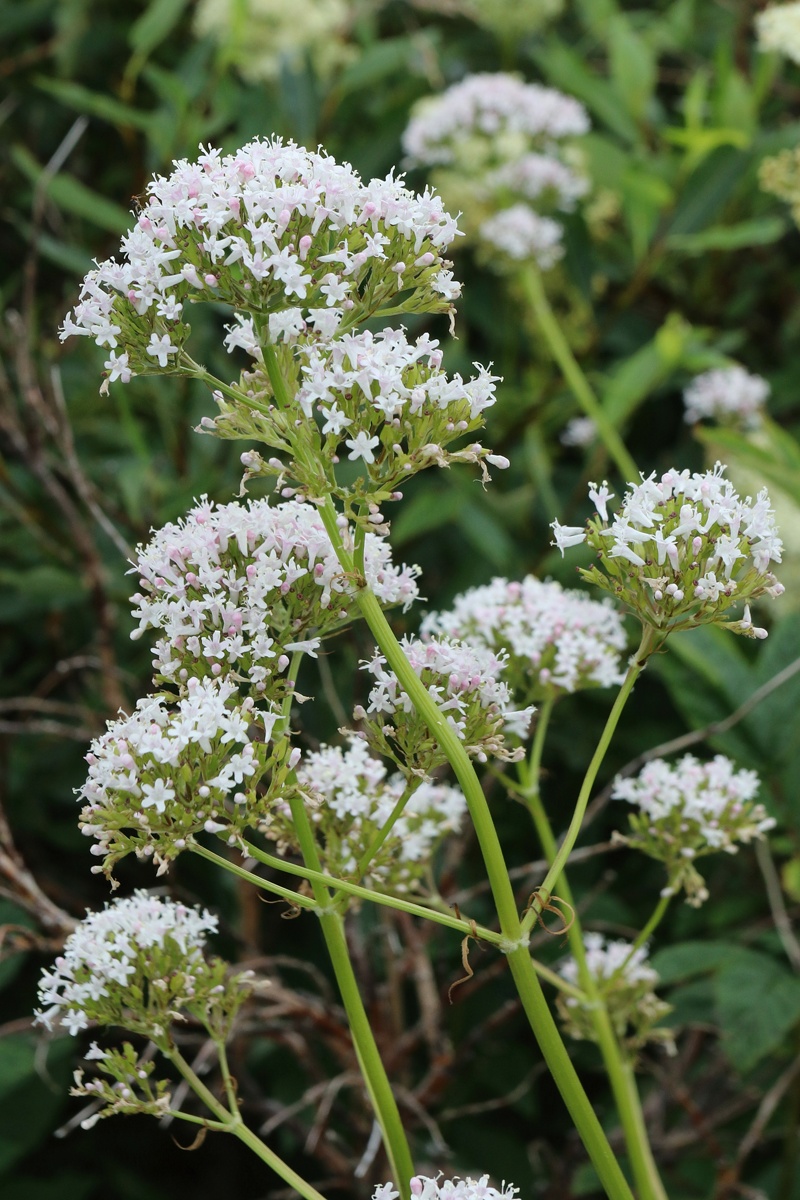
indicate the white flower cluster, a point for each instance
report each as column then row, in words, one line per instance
column 556, row 640
column 778, row 29
column 691, row 809
column 626, row 981
column 238, row 587
column 606, row 958
column 682, row 549
column 727, row 394
column 169, row 771
column 465, row 683
column 424, row 1187
column 266, row 228
column 503, row 115
column 259, row 36
column 353, row 797
column 521, row 234
column 503, row 138
column 106, row 957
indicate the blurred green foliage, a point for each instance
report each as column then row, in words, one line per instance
column 695, row 263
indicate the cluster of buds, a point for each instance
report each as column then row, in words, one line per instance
column 123, row 1082
column 353, row 802
column 625, row 980
column 139, row 963
column 366, row 412
column 729, row 395
column 466, row 685
column 682, row 550
column 689, row 810
column 503, row 147
column 423, row 1187
column 556, row 640
column 170, row 771
column 236, row 589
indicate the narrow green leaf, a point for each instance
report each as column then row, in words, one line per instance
column 759, row 232
column 155, row 24
column 82, row 99
column 73, row 196
column 632, row 65
column 567, row 70
column 708, row 188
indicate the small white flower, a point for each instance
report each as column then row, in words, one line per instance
column 361, row 447
column 161, row 348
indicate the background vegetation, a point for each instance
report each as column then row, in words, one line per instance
column 691, row 262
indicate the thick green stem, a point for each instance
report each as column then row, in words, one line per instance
column 372, row 1068
column 533, row 287
column 634, row 670
column 516, row 943
column 233, row 1123
column 615, row 1059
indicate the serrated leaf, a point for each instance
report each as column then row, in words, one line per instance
column 758, row 1002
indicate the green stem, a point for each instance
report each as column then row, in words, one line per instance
column 656, row 918
column 362, row 893
column 234, row 1124
column 615, row 1060
column 293, row 898
column 533, row 287
column 519, row 960
column 386, row 828
column 646, row 645
column 367, row 1053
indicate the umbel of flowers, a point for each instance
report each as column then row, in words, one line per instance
column 626, row 981
column 465, row 682
column 236, row 589
column 687, row 810
column 172, row 770
column 682, row 550
column 556, row 640
column 423, row 1187
column 504, row 148
column 729, row 395
column 373, row 826
column 140, row 964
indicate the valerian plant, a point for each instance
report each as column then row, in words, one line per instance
column 338, row 417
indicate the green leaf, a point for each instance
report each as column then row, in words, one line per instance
column 73, row 196
column 632, row 65
column 763, row 460
column 155, row 24
column 82, row 99
column 635, row 378
column 486, row 534
column 382, row 59
column 427, row 510
column 31, row 1092
column 568, row 71
column 758, row 1002
column 708, row 188
column 686, row 960
column 760, row 232
column 40, row 589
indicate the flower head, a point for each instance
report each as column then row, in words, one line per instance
column 379, row 400
column 691, row 809
column 778, row 29
column 351, row 796
column 270, row 228
column 682, row 550
column 729, row 395
column 139, row 963
column 489, row 119
column 556, row 640
column 519, row 233
column 232, row 589
column 168, row 771
column 465, row 682
column 424, row 1187
column 626, row 981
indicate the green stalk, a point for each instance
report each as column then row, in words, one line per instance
column 531, row 280
column 233, row 1123
column 563, row 853
column 369, row 1059
column 386, row 828
column 616, row 1062
column 519, row 959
